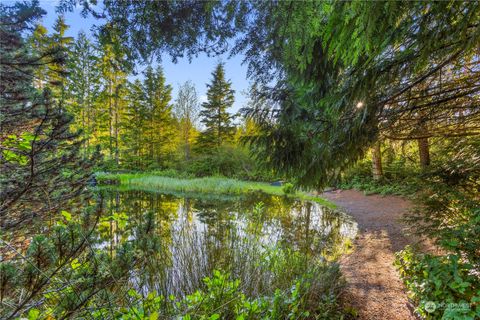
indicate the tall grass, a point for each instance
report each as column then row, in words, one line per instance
column 207, row 185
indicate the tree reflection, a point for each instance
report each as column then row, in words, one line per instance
column 184, row 239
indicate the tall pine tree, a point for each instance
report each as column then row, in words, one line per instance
column 134, row 124
column 215, row 117
column 114, row 70
column 57, row 72
column 40, row 172
column 83, row 89
column 161, row 128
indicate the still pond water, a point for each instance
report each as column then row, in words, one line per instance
column 195, row 236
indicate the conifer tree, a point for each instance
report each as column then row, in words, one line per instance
column 215, row 117
column 114, row 75
column 135, row 120
column 37, row 148
column 39, row 42
column 161, row 126
column 57, row 72
column 83, row 89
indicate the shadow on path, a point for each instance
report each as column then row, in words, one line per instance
column 374, row 288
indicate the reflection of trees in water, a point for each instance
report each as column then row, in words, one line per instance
column 197, row 236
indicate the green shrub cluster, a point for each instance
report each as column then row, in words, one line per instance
column 311, row 296
column 399, row 178
column 288, row 188
column 450, row 281
column 222, row 298
column 442, row 287
column 227, row 161
column 65, row 271
column 367, row 184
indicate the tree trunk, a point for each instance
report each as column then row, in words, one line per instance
column 424, row 152
column 187, row 150
column 117, row 151
column 110, row 119
column 377, row 170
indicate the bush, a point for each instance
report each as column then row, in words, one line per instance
column 311, row 296
column 443, row 287
column 405, row 187
column 288, row 188
column 227, row 161
column 447, row 286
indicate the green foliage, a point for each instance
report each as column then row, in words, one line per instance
column 288, row 188
column 406, row 187
column 68, row 282
column 17, row 148
column 83, row 89
column 349, row 72
column 37, row 147
column 8, row 278
column 160, row 129
column 229, row 161
column 448, row 281
column 447, row 212
column 62, row 273
column 222, row 298
column 335, row 75
column 214, row 115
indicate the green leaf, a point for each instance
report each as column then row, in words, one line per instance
column 67, row 215
column 33, row 314
column 132, row 293
column 75, row 264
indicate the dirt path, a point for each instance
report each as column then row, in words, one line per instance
column 374, row 288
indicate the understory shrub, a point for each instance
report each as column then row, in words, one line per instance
column 399, row 178
column 288, row 188
column 447, row 285
column 442, row 287
column 227, row 161
column 313, row 295
column 405, row 187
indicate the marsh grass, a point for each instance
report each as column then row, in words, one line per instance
column 207, row 185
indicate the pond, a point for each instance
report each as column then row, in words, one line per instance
column 261, row 240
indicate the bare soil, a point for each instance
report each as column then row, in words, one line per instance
column 374, row 288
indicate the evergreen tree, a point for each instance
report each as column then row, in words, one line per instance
column 161, row 127
column 83, row 89
column 343, row 73
column 134, row 127
column 39, row 42
column 51, row 72
column 114, row 70
column 57, row 72
column 215, row 117
column 39, row 168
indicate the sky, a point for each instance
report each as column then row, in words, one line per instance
column 198, row 71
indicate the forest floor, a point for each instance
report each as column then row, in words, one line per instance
column 374, row 288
